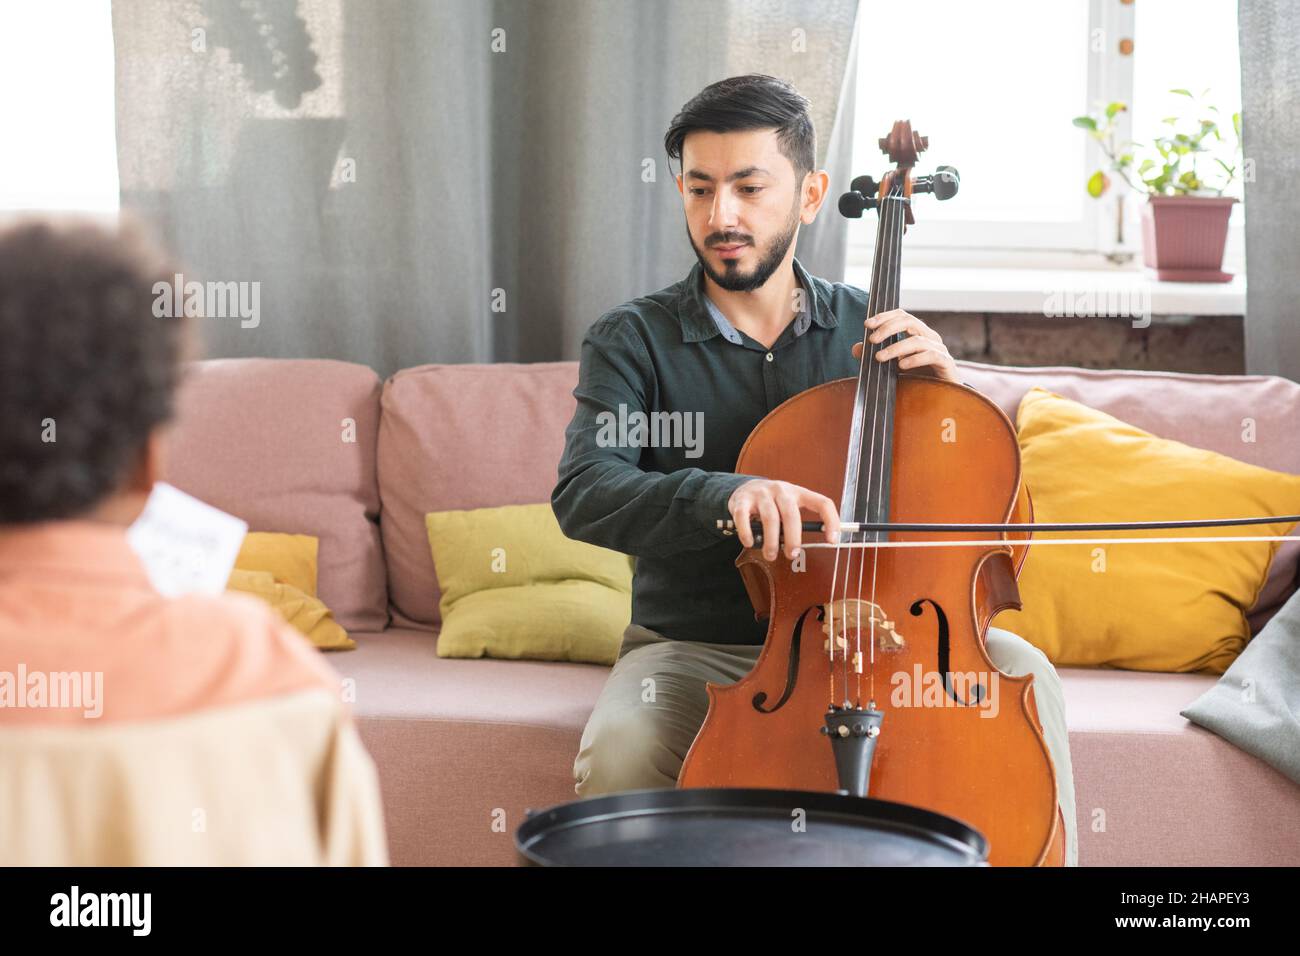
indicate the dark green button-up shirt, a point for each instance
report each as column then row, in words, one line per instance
column 665, row 403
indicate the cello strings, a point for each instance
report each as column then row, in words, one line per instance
column 873, row 385
column 865, row 370
column 853, row 468
column 891, row 302
column 873, row 378
column 888, row 250
column 839, row 540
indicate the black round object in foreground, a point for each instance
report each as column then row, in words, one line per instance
column 720, row 826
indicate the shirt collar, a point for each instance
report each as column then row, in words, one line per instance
column 697, row 319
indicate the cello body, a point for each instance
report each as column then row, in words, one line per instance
column 958, row 736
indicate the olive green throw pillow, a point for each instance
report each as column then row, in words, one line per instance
column 514, row 586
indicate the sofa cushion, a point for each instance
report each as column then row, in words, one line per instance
column 1247, row 417
column 1090, row 607
column 515, row 586
column 461, row 744
column 1154, row 789
column 290, row 558
column 303, row 612
column 458, row 437
column 289, row 445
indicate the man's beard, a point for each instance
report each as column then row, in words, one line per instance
column 735, row 281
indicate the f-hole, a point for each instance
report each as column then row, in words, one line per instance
column 792, row 669
column 981, row 692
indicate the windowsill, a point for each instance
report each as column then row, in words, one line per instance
column 1060, row 291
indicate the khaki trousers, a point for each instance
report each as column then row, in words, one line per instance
column 637, row 740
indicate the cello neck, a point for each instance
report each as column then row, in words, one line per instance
column 867, row 472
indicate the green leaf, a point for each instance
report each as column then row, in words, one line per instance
column 1182, row 92
column 1114, row 108
column 1085, row 122
column 1236, row 124
column 1146, row 164
column 1171, row 120
column 1096, row 184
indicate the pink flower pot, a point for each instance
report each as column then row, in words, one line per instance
column 1183, row 237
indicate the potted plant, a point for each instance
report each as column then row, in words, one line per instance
column 1185, row 219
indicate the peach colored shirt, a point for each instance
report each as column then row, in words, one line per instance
column 74, row 597
column 220, row 736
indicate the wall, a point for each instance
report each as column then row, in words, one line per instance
column 1196, row 344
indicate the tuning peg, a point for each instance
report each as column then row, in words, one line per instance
column 946, row 182
column 865, row 185
column 853, row 204
column 943, row 184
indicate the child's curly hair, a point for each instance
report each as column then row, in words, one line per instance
column 87, row 370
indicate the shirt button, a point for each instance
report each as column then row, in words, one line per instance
column 769, row 356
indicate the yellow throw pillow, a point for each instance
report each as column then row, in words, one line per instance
column 1153, row 607
column 514, row 586
column 290, row 558
column 302, row 611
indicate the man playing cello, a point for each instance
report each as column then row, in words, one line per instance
column 747, row 329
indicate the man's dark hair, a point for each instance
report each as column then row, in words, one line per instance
column 86, row 369
column 754, row 101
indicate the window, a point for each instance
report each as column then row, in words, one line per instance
column 995, row 85
column 56, row 74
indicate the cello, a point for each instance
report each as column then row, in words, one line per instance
column 874, row 678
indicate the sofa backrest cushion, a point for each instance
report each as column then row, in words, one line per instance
column 474, row 436
column 289, row 445
column 1247, row 417
column 458, row 437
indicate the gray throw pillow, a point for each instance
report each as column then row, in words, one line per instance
column 1256, row 703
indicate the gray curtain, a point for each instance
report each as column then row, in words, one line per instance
column 1270, row 103
column 444, row 181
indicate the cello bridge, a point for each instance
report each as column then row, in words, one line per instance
column 851, row 615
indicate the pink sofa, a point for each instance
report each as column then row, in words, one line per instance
column 465, row 746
